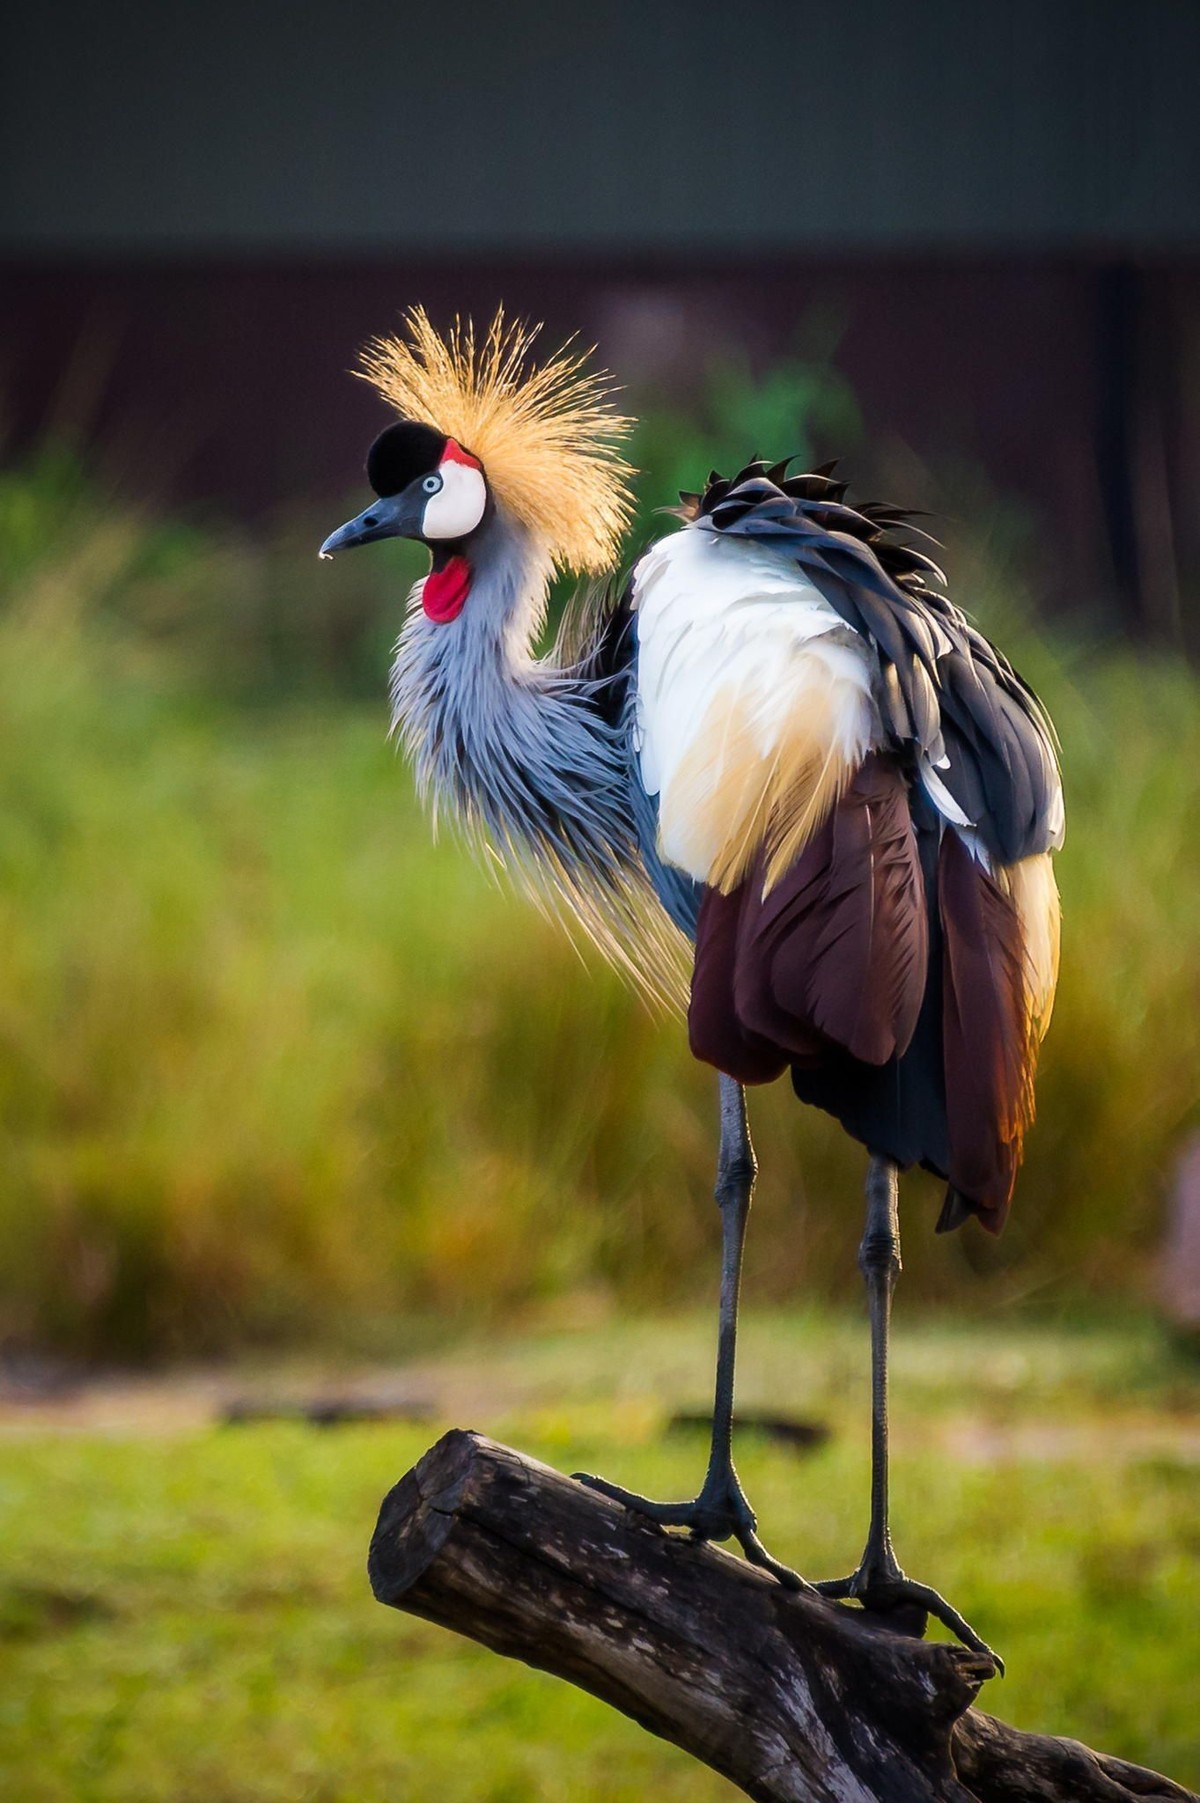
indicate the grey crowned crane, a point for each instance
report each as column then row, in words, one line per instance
column 780, row 751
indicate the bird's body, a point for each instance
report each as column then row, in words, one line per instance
column 779, row 741
column 734, row 755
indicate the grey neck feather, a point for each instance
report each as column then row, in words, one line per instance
column 513, row 744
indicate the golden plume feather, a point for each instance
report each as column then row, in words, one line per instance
column 546, row 435
column 1030, row 886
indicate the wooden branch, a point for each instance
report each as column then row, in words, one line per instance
column 793, row 1699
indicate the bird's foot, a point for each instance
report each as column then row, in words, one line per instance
column 881, row 1586
column 720, row 1512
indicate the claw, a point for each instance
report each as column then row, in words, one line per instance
column 666, row 1515
column 720, row 1512
column 757, row 1554
column 881, row 1594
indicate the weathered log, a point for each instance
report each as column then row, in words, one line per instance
column 794, row 1699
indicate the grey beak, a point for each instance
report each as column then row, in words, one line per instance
column 389, row 517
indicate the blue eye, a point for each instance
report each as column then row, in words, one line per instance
column 431, row 484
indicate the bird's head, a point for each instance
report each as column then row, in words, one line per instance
column 534, row 446
column 427, row 487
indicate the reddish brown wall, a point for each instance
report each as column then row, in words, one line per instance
column 1066, row 381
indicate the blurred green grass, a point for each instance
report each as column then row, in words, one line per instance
column 190, row 1619
column 274, row 1065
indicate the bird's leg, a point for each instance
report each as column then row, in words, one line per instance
column 879, row 1262
column 737, row 1168
column 721, row 1511
column 879, row 1583
column 722, row 1508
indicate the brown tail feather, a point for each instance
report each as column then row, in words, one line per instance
column 715, row 1032
column 836, row 952
column 989, row 1048
column 842, row 943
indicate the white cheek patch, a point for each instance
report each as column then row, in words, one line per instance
column 458, row 506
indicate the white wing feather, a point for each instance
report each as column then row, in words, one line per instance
column 749, row 684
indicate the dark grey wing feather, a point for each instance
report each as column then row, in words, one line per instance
column 943, row 690
column 675, row 889
column 609, row 662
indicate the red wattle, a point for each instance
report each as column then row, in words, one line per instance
column 454, row 453
column 446, row 589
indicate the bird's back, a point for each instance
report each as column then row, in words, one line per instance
column 867, row 795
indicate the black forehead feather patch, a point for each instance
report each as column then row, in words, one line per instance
column 401, row 453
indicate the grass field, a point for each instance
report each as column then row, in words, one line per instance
column 184, row 1616
column 273, row 1064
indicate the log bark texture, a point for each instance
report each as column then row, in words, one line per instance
column 793, row 1699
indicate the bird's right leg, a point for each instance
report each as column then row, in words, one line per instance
column 879, row 1583
column 721, row 1511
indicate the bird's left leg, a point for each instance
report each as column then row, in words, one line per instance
column 880, row 1583
column 721, row 1511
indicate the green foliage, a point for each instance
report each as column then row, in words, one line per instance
column 735, row 417
column 273, row 1063
column 190, row 1620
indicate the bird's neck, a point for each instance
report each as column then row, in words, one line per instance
column 504, row 740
